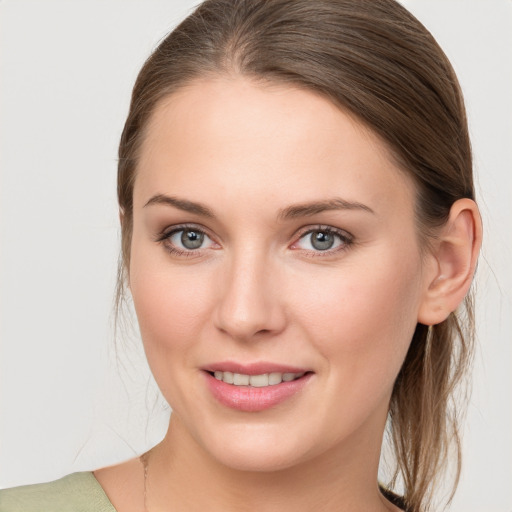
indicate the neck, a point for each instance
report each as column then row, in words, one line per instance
column 182, row 473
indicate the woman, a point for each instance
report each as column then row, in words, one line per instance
column 299, row 228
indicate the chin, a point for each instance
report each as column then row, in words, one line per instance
column 256, row 460
column 256, row 449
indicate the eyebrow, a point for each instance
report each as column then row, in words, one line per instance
column 181, row 204
column 291, row 212
column 308, row 209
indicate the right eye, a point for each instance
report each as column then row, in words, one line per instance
column 186, row 240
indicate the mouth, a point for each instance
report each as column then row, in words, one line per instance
column 256, row 381
column 255, row 388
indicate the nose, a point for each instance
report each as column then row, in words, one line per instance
column 250, row 304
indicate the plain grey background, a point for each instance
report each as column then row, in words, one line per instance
column 69, row 400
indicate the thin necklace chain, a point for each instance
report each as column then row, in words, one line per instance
column 144, row 458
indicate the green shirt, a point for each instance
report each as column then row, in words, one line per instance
column 78, row 492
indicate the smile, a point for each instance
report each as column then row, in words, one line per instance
column 257, row 381
column 255, row 388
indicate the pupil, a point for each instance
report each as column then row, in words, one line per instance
column 322, row 240
column 191, row 239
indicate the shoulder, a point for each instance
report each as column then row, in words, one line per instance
column 78, row 492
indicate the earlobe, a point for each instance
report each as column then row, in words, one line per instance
column 455, row 254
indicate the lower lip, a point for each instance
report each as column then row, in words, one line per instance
column 252, row 399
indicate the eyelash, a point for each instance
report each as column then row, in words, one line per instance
column 165, row 236
column 345, row 238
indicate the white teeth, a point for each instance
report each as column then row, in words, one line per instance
column 259, row 381
column 275, row 378
column 256, row 381
column 240, row 380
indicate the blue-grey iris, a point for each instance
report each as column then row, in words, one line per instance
column 192, row 239
column 322, row 240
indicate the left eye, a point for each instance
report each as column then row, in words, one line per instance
column 321, row 240
column 189, row 239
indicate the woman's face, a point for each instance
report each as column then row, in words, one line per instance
column 272, row 235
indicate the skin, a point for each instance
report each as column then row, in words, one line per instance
column 257, row 290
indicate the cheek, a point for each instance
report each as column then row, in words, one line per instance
column 170, row 307
column 363, row 317
column 164, row 307
column 169, row 302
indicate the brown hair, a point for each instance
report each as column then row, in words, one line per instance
column 374, row 59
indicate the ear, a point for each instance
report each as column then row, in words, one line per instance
column 454, row 259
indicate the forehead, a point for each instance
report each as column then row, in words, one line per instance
column 236, row 136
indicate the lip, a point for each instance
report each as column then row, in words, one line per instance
column 258, row 368
column 254, row 399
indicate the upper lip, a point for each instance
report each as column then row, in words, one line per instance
column 257, row 368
